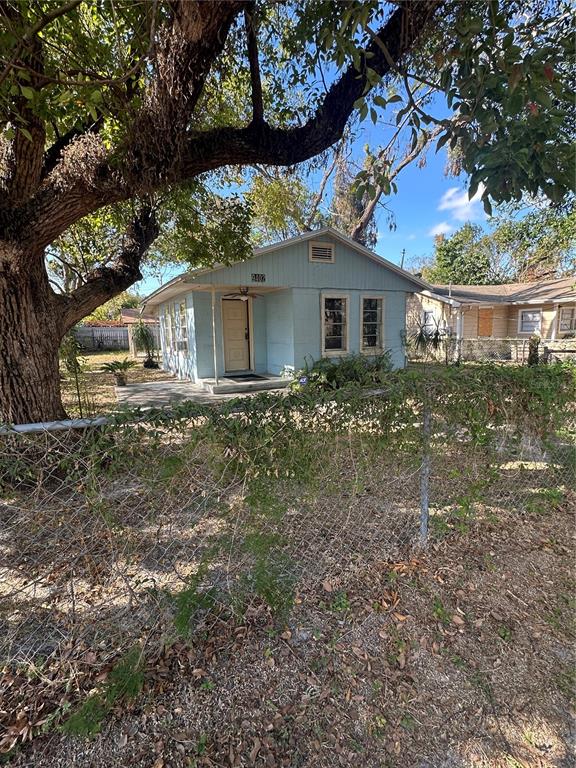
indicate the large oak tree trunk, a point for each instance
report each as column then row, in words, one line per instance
column 29, row 339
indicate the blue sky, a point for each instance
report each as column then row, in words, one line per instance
column 428, row 203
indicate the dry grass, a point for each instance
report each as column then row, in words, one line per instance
column 461, row 657
column 98, row 393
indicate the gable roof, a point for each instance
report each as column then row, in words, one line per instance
column 541, row 292
column 178, row 284
column 348, row 241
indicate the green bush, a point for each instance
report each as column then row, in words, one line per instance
column 335, row 373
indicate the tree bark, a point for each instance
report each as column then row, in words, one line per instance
column 29, row 341
column 33, row 320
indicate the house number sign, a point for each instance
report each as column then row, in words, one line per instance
column 258, row 277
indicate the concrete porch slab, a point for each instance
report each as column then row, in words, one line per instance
column 157, row 394
column 227, row 386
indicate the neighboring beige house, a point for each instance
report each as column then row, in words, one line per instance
column 513, row 311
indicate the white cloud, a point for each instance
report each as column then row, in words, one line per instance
column 462, row 209
column 411, row 237
column 441, row 229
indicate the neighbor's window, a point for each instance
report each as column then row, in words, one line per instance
column 371, row 324
column 182, row 328
column 335, row 323
column 429, row 320
column 567, row 321
column 529, row 321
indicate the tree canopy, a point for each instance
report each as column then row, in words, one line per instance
column 538, row 245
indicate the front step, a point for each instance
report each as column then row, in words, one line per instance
column 233, row 387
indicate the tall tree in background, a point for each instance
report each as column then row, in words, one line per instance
column 127, row 104
column 537, row 246
column 349, row 203
column 540, row 245
column 458, row 260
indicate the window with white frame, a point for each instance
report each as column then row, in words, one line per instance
column 567, row 320
column 372, row 311
column 529, row 321
column 182, row 328
column 335, row 324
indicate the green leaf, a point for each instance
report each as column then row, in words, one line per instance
column 442, row 140
column 27, row 92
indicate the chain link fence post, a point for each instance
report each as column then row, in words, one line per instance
column 425, row 472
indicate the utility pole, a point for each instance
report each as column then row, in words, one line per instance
column 402, row 260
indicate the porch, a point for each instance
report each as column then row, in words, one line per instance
column 158, row 394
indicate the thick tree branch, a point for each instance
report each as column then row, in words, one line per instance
column 256, row 83
column 106, row 282
column 260, row 143
column 167, row 152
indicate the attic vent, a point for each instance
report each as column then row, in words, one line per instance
column 323, row 252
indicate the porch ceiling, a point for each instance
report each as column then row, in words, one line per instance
column 252, row 289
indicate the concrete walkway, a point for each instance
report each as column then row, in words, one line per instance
column 155, row 394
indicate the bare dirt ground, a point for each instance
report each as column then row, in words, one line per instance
column 462, row 657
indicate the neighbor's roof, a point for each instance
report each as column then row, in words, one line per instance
column 540, row 292
column 174, row 286
column 133, row 316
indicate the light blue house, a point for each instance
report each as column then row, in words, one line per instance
column 317, row 295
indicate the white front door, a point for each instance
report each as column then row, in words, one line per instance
column 235, row 323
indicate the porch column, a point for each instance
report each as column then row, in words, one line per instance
column 555, row 323
column 215, row 356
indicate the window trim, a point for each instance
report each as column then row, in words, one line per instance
column 435, row 322
column 380, row 348
column 182, row 327
column 561, row 310
column 167, row 328
column 334, row 352
column 173, row 327
column 323, row 244
column 538, row 331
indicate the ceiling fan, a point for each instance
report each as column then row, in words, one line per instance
column 242, row 294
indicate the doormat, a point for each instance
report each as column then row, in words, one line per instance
column 240, row 378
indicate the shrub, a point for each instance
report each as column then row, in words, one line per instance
column 144, row 340
column 352, row 370
column 533, row 350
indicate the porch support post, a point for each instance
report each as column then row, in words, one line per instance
column 555, row 323
column 214, row 335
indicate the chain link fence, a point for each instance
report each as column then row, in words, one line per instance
column 445, row 348
column 132, row 530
